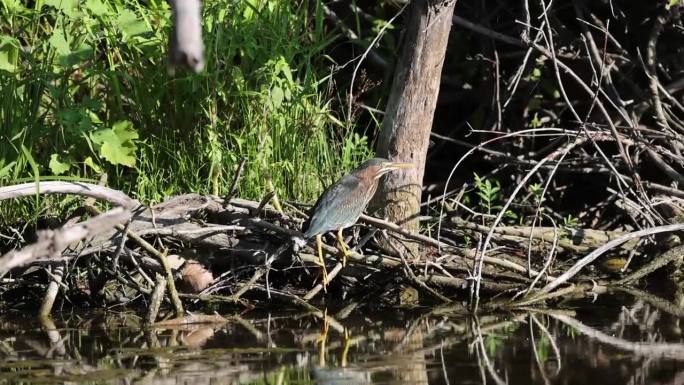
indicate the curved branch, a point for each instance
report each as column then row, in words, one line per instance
column 112, row 196
column 53, row 242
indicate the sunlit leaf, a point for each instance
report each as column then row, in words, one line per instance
column 130, row 24
column 13, row 6
column 112, row 149
column 536, row 74
column 56, row 166
column 250, row 8
column 117, row 144
column 9, row 53
column 6, row 63
column 284, row 68
column 68, row 7
column 97, row 7
column 124, row 131
column 5, row 171
column 277, row 96
column 90, row 163
column 59, row 42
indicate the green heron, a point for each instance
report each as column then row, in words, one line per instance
column 341, row 204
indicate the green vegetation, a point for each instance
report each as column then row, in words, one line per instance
column 489, row 195
column 85, row 89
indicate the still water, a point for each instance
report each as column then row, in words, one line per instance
column 613, row 339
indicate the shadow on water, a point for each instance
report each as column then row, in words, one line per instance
column 615, row 340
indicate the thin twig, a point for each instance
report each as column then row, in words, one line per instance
column 161, row 256
column 236, row 179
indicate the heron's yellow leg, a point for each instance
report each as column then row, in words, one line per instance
column 345, row 351
column 343, row 247
column 321, row 261
column 322, row 340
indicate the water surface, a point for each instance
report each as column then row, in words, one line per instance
column 616, row 339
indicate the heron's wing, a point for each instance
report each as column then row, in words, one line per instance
column 336, row 207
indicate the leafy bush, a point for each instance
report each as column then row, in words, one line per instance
column 85, row 89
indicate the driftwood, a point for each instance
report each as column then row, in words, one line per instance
column 106, row 194
column 51, row 243
column 569, row 239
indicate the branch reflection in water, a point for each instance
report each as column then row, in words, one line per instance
column 621, row 339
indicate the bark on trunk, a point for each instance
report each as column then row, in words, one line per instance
column 405, row 131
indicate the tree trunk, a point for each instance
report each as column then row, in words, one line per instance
column 405, row 131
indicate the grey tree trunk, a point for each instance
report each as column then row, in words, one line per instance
column 405, row 131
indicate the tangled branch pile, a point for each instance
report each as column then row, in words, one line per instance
column 129, row 254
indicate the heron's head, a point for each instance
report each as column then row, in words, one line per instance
column 377, row 167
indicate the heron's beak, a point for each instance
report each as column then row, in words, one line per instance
column 391, row 166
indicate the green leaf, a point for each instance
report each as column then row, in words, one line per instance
column 117, row 153
column 117, row 144
column 536, row 122
column 59, row 42
column 13, row 6
column 69, row 7
column 56, row 166
column 91, row 104
column 284, row 68
column 97, row 7
column 34, row 168
column 492, row 344
column 78, row 55
column 125, row 131
column 112, row 149
column 76, row 120
column 9, row 53
column 5, row 171
column 90, row 163
column 536, row 74
column 31, row 161
column 6, row 63
column 130, row 24
column 250, row 9
column 277, row 96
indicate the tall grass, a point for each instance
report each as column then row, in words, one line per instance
column 84, row 89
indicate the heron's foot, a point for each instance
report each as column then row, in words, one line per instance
column 342, row 247
column 345, row 254
column 321, row 261
column 324, row 273
column 322, row 338
column 324, row 332
column 345, row 350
